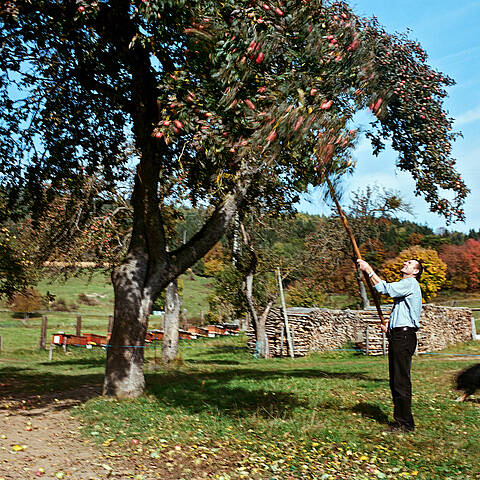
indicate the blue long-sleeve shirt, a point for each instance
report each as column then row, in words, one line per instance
column 407, row 301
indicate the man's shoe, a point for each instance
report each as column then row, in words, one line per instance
column 395, row 427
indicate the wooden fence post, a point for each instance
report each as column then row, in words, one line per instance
column 110, row 326
column 202, row 318
column 43, row 333
column 79, row 325
column 474, row 330
column 185, row 321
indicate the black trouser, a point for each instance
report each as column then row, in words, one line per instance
column 402, row 343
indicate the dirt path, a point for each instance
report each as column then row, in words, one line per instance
column 40, row 439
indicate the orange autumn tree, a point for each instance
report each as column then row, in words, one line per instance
column 463, row 264
column 434, row 272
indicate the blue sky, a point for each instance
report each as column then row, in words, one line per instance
column 450, row 33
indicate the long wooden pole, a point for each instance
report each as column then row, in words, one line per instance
column 285, row 315
column 356, row 250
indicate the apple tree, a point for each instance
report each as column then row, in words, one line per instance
column 227, row 103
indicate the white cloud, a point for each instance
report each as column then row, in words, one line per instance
column 456, row 58
column 468, row 117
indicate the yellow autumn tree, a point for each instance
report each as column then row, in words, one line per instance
column 213, row 260
column 434, row 269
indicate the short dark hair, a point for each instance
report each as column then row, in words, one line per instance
column 420, row 268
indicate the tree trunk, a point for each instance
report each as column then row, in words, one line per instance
column 363, row 290
column 147, row 270
column 258, row 322
column 173, row 303
column 124, row 369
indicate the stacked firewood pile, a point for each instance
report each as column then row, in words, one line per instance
column 372, row 341
column 443, row 326
column 311, row 330
column 315, row 330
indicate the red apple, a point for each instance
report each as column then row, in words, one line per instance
column 353, row 46
column 298, row 124
column 272, row 136
column 252, row 46
column 326, row 105
column 377, row 105
column 260, row 58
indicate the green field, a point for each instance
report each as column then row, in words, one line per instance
column 94, row 317
column 322, row 416
column 220, row 410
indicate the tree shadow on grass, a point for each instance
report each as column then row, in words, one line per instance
column 366, row 410
column 227, row 374
column 217, row 391
column 212, row 362
column 218, row 398
column 221, row 349
column 8, row 371
column 87, row 362
column 213, row 392
column 27, row 391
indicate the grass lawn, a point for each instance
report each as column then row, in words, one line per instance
column 317, row 417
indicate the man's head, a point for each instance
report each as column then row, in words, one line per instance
column 412, row 268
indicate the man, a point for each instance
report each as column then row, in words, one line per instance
column 402, row 338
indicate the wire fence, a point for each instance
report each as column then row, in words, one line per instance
column 155, row 344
